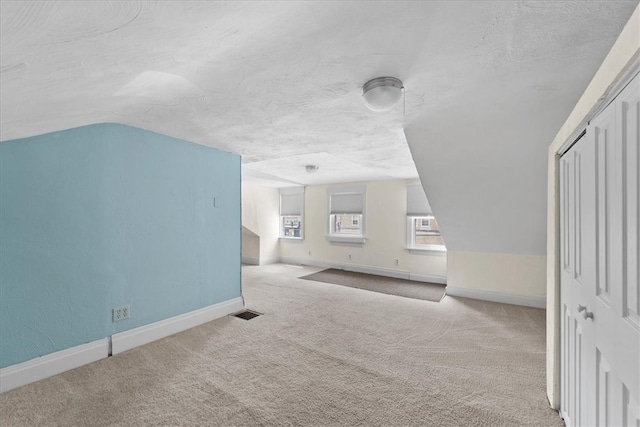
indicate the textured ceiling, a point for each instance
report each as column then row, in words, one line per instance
column 280, row 82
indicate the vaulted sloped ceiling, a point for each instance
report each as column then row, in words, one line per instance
column 488, row 83
column 483, row 161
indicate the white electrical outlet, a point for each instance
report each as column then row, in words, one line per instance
column 349, row 256
column 121, row 313
column 397, row 261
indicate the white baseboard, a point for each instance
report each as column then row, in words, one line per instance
column 55, row 363
column 52, row 364
column 528, row 301
column 442, row 280
column 251, row 261
column 127, row 340
column 397, row 274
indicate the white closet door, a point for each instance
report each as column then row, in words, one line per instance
column 617, row 303
column 628, row 315
column 604, row 287
column 600, row 290
column 577, row 194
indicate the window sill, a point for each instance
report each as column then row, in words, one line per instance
column 291, row 238
column 346, row 239
column 428, row 250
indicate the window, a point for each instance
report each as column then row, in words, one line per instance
column 291, row 226
column 423, row 232
column 346, row 224
column 346, row 214
column 291, row 212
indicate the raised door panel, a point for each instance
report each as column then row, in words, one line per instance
column 567, row 333
column 586, row 270
column 602, row 134
column 566, row 365
column 629, row 123
column 626, row 317
column 630, row 410
column 603, row 391
column 578, row 404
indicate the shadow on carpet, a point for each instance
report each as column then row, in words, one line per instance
column 385, row 285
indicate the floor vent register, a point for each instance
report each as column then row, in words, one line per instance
column 247, row 314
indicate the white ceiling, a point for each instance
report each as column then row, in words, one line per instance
column 280, row 84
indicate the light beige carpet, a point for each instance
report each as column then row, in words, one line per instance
column 386, row 285
column 319, row 356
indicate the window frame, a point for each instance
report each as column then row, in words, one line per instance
column 334, row 237
column 283, row 227
column 292, row 191
column 418, row 208
column 411, row 235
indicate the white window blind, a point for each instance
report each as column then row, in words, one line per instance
column 291, row 201
column 417, row 203
column 347, row 203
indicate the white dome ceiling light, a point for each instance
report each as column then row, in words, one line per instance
column 382, row 93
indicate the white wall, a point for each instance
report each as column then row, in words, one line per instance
column 385, row 231
column 260, row 215
column 623, row 54
column 511, row 278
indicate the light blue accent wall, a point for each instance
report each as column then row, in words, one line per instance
column 107, row 215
